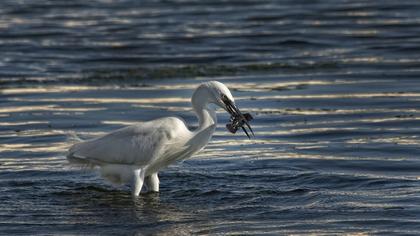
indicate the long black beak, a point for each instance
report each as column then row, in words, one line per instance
column 238, row 116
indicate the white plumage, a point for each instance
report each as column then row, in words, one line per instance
column 136, row 153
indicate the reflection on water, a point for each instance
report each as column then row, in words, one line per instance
column 333, row 87
column 332, row 153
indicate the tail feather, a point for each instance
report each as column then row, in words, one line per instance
column 73, row 137
column 74, row 159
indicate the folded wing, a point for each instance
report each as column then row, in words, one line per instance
column 133, row 145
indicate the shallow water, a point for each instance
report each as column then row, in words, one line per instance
column 333, row 87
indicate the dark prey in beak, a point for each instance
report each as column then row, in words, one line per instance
column 237, row 119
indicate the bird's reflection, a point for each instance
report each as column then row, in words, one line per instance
column 147, row 214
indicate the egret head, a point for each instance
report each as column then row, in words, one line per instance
column 221, row 96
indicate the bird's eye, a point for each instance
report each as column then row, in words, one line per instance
column 224, row 97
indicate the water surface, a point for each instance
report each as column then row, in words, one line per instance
column 333, row 87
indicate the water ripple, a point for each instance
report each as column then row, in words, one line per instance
column 333, row 87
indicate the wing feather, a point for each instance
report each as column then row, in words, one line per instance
column 134, row 145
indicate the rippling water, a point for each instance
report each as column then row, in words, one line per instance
column 333, row 87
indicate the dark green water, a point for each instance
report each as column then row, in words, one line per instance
column 333, row 86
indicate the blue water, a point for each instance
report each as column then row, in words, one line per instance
column 333, row 87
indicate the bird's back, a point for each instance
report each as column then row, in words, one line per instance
column 138, row 144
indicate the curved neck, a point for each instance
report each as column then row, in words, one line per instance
column 206, row 116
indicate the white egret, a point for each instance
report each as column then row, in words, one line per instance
column 135, row 154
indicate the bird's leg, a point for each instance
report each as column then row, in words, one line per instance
column 137, row 181
column 152, row 182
